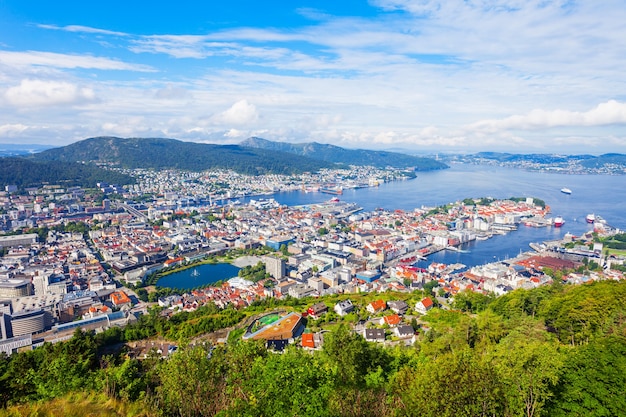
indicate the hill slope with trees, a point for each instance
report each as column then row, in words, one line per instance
column 31, row 173
column 336, row 154
column 158, row 153
column 556, row 350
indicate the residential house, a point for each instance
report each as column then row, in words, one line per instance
column 312, row 341
column 398, row 306
column 317, row 310
column 344, row 307
column 404, row 331
column 391, row 320
column 424, row 305
column 377, row 306
column 374, row 335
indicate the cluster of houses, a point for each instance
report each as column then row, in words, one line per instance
column 278, row 329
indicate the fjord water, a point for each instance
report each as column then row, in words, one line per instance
column 604, row 195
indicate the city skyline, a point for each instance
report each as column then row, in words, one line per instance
column 538, row 76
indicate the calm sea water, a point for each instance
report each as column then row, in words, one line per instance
column 604, row 195
column 201, row 275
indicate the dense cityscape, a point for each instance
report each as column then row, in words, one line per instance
column 67, row 252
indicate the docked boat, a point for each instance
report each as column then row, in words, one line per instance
column 566, row 191
column 590, row 218
column 558, row 221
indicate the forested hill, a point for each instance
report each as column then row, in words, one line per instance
column 158, row 153
column 336, row 154
column 553, row 351
column 28, row 173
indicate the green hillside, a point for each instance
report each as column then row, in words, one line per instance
column 336, row 154
column 31, row 173
column 157, row 153
column 555, row 350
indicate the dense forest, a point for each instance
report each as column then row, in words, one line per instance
column 28, row 173
column 556, row 350
column 336, row 154
column 156, row 153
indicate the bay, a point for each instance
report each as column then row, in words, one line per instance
column 198, row 276
column 603, row 195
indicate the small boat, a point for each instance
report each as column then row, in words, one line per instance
column 195, row 273
column 566, row 191
column 591, row 218
column 558, row 221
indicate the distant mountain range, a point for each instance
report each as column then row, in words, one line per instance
column 338, row 155
column 14, row 149
column 76, row 163
column 585, row 161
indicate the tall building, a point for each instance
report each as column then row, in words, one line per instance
column 276, row 267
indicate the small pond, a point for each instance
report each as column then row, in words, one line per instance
column 199, row 276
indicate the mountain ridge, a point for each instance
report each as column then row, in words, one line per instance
column 337, row 154
column 165, row 153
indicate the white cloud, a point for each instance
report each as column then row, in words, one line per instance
column 13, row 129
column 611, row 112
column 235, row 134
column 240, row 113
column 172, row 92
column 82, row 29
column 70, row 61
column 38, row 93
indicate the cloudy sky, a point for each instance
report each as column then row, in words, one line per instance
column 427, row 75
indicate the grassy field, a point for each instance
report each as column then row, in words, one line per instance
column 79, row 405
column 617, row 252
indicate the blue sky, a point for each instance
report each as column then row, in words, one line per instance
column 426, row 75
